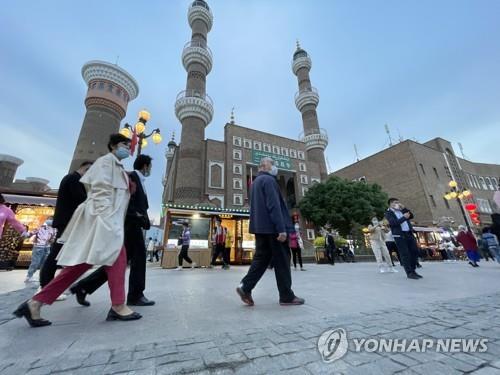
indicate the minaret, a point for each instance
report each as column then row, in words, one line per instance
column 110, row 89
column 306, row 101
column 193, row 107
column 169, row 154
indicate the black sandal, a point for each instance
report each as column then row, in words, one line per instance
column 24, row 311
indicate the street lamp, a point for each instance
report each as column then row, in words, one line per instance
column 459, row 195
column 138, row 132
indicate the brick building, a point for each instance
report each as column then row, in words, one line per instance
column 206, row 177
column 419, row 173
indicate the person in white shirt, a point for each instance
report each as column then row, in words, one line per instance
column 377, row 242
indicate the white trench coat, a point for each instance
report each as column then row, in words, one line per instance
column 94, row 234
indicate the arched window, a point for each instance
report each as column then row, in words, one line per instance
column 483, row 183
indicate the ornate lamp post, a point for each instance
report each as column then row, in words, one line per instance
column 138, row 132
column 459, row 195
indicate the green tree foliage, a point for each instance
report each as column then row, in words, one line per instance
column 343, row 203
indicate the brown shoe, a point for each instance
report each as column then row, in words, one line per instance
column 294, row 302
column 245, row 297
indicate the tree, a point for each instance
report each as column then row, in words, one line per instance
column 342, row 203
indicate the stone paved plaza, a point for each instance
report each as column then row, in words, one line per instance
column 200, row 326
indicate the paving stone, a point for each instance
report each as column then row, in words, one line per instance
column 181, row 367
column 179, row 357
column 383, row 366
column 68, row 363
column 486, row 371
column 403, row 359
column 122, row 356
column 459, row 365
column 127, row 366
column 356, row 359
column 434, row 368
column 45, row 370
column 213, row 357
column 467, row 358
column 322, row 368
column 98, row 358
column 255, row 353
column 92, row 370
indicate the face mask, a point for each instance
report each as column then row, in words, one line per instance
column 273, row 171
column 49, row 223
column 122, row 153
column 147, row 173
column 375, row 222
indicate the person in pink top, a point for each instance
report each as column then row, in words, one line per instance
column 8, row 216
column 293, row 242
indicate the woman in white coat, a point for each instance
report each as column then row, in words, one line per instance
column 94, row 236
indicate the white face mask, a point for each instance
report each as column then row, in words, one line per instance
column 375, row 222
column 273, row 171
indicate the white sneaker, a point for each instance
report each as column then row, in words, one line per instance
column 29, row 280
column 382, row 270
column 193, row 265
column 393, row 270
column 179, row 268
column 62, row 297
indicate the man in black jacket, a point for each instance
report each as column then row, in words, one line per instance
column 70, row 195
column 136, row 221
column 399, row 220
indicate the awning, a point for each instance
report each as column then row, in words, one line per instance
column 30, row 200
column 428, row 229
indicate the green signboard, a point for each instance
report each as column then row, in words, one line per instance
column 282, row 162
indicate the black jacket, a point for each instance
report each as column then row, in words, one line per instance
column 70, row 195
column 395, row 223
column 137, row 211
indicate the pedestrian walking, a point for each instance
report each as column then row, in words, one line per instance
column 184, row 242
column 150, row 249
column 293, row 242
column 219, row 244
column 70, row 195
column 94, row 236
column 136, row 222
column 468, row 241
column 399, row 221
column 330, row 247
column 491, row 242
column 227, row 250
column 43, row 238
column 270, row 222
column 377, row 242
column 390, row 243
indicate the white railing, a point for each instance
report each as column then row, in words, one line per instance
column 194, row 94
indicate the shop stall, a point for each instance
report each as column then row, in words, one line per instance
column 31, row 210
column 201, row 220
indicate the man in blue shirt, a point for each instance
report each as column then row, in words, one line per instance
column 270, row 222
column 399, row 220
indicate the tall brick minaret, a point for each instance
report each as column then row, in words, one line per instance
column 110, row 89
column 306, row 100
column 193, row 106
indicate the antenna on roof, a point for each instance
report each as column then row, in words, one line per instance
column 117, row 58
column 461, row 150
column 232, row 116
column 400, row 136
column 328, row 165
column 356, row 152
column 388, row 134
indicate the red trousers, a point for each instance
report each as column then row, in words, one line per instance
column 116, row 281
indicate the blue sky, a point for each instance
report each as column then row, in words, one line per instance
column 426, row 68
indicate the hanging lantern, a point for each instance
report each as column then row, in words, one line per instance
column 447, row 196
column 140, row 127
column 470, row 206
column 144, row 143
column 474, row 215
column 126, row 132
column 144, row 115
column 453, row 194
column 452, row 184
column 460, row 196
column 156, row 138
column 466, row 193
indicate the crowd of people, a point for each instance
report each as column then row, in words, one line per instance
column 102, row 212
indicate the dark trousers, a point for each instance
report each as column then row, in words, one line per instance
column 49, row 267
column 183, row 254
column 219, row 249
column 408, row 251
column 266, row 247
column 297, row 253
column 136, row 256
column 330, row 254
column 392, row 247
